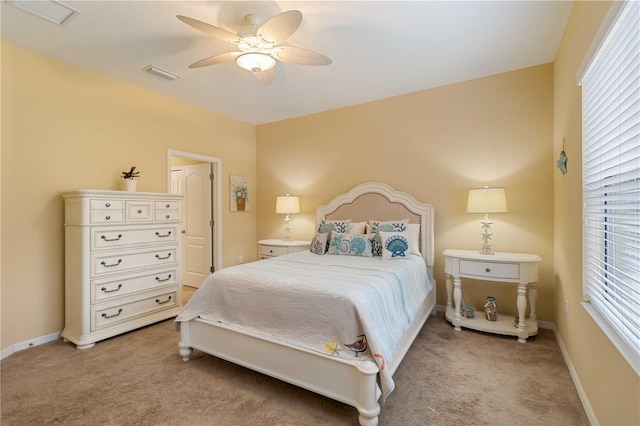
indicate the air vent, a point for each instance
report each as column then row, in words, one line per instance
column 161, row 73
column 52, row 11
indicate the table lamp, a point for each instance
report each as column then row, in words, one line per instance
column 285, row 205
column 486, row 200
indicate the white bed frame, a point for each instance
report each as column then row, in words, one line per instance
column 351, row 382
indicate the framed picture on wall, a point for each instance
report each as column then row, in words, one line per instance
column 239, row 193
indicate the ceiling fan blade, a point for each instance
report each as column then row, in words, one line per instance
column 298, row 55
column 280, row 27
column 210, row 29
column 265, row 77
column 217, row 59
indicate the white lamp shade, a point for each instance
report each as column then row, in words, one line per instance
column 256, row 62
column 287, row 204
column 487, row 200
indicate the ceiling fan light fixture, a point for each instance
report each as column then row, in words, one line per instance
column 255, row 61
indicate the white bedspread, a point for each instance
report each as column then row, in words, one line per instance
column 322, row 303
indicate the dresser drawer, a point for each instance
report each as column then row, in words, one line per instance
column 106, row 216
column 273, row 250
column 166, row 205
column 113, row 288
column 110, row 263
column 106, row 204
column 117, row 313
column 116, row 237
column 167, row 216
column 489, row 269
column 139, row 211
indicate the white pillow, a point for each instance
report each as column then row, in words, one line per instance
column 414, row 238
column 357, row 227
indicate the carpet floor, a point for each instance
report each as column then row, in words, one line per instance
column 138, row 378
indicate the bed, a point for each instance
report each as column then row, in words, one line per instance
column 352, row 359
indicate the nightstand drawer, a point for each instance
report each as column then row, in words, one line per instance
column 489, row 269
column 273, row 250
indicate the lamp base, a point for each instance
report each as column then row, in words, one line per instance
column 287, row 229
column 486, row 236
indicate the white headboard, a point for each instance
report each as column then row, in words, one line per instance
column 379, row 201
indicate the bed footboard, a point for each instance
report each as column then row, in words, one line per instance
column 351, row 382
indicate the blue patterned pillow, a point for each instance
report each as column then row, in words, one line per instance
column 388, row 226
column 319, row 244
column 350, row 244
column 326, row 226
column 395, row 245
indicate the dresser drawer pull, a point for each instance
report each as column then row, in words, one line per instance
column 163, row 258
column 139, row 211
column 168, row 216
column 108, row 217
column 108, row 205
column 162, row 303
column 168, row 205
column 103, row 263
column 111, row 291
column 163, row 236
column 166, row 279
column 487, row 269
column 104, row 237
column 104, row 315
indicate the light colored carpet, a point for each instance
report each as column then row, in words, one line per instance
column 447, row 378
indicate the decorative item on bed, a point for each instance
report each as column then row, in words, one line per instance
column 335, row 323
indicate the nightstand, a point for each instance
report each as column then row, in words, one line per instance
column 515, row 268
column 274, row 248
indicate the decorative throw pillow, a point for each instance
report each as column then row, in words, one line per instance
column 326, row 226
column 414, row 238
column 395, row 245
column 319, row 244
column 357, row 227
column 386, row 226
column 350, row 244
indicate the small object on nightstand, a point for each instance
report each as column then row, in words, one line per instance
column 467, row 311
column 491, row 308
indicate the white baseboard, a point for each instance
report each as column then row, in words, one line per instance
column 591, row 416
column 30, row 344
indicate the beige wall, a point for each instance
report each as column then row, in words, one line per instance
column 64, row 128
column 610, row 384
column 435, row 144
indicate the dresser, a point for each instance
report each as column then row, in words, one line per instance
column 520, row 269
column 122, row 262
column 274, row 247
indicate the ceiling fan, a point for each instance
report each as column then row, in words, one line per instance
column 258, row 45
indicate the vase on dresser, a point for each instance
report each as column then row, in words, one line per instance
column 130, row 185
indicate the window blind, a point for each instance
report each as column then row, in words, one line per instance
column 611, row 178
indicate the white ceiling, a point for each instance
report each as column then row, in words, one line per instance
column 379, row 49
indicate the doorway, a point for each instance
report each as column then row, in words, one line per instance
column 198, row 179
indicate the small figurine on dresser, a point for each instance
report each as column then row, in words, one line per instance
column 491, row 309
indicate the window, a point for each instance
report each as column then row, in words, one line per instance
column 611, row 183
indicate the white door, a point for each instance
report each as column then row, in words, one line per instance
column 194, row 182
